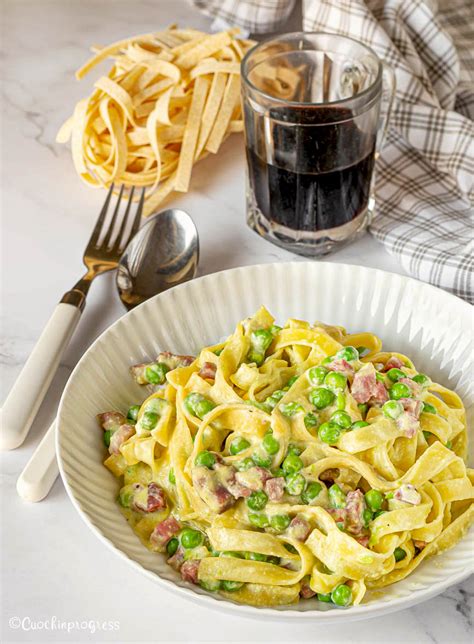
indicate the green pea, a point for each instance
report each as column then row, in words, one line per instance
column 270, row 443
column 324, row 597
column 213, row 586
column 172, row 477
column 399, row 390
column 198, row 405
column 395, row 374
column 311, row 492
column 262, row 460
column 422, row 380
column 342, row 419
column 255, row 556
column 366, row 517
column 340, row 401
column 290, row 548
column 335, row 380
column 337, row 498
column 149, row 420
column 107, row 436
column 292, row 464
column 427, row 435
column 230, row 554
column 392, row 409
column 428, row 408
column 261, row 339
column 191, row 538
column 294, row 449
column 126, row 495
column 259, row 405
column 363, row 408
column 295, row 484
column 280, row 522
column 327, row 360
column 292, row 381
column 362, row 351
column 329, row 433
column 259, row 520
column 348, row 353
column 291, row 408
column 399, row 554
column 316, row 375
column 238, row 445
column 341, row 595
column 321, row 397
column 378, row 513
column 275, row 398
column 449, row 444
column 277, row 472
column 257, row 500
column 244, row 465
column 358, row 424
column 310, row 420
column 380, row 377
column 172, row 546
column 156, row 373
column 231, row 586
column 218, row 352
column 132, row 413
column 374, row 500
column 255, row 356
column 205, row 459
column 273, row 560
column 274, row 329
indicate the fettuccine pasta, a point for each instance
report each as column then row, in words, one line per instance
column 292, row 462
column 169, row 99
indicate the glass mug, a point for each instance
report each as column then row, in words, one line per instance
column 316, row 107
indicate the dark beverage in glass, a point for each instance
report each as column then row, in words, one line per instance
column 312, row 116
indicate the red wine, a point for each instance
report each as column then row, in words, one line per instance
column 320, row 172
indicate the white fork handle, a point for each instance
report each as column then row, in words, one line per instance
column 41, row 471
column 31, row 385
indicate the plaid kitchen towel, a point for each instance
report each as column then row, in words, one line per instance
column 425, row 175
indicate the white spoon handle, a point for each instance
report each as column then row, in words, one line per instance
column 41, row 471
column 27, row 393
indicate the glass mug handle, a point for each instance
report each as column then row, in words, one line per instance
column 388, row 94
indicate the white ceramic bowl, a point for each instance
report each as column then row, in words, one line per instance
column 429, row 325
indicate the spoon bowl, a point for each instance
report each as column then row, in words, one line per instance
column 163, row 253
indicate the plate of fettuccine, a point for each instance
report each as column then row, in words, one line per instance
column 286, row 440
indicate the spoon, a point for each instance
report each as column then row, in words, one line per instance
column 163, row 253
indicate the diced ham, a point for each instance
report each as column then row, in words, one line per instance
column 412, row 406
column 208, row 371
column 411, row 384
column 189, row 570
column 393, row 363
column 163, row 532
column 172, row 361
column 408, row 423
column 275, row 488
column 176, row 561
column 365, row 386
column 299, row 528
column 119, row 437
column 227, row 476
column 342, row 366
column 156, row 498
column 254, row 478
column 211, row 490
column 355, row 506
column 408, row 493
column 137, row 372
column 111, row 420
column 306, row 592
column 363, row 539
column 419, row 544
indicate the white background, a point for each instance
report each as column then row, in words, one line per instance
column 52, row 565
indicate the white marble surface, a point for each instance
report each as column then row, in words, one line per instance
column 52, row 565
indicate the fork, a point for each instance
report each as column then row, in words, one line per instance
column 102, row 254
